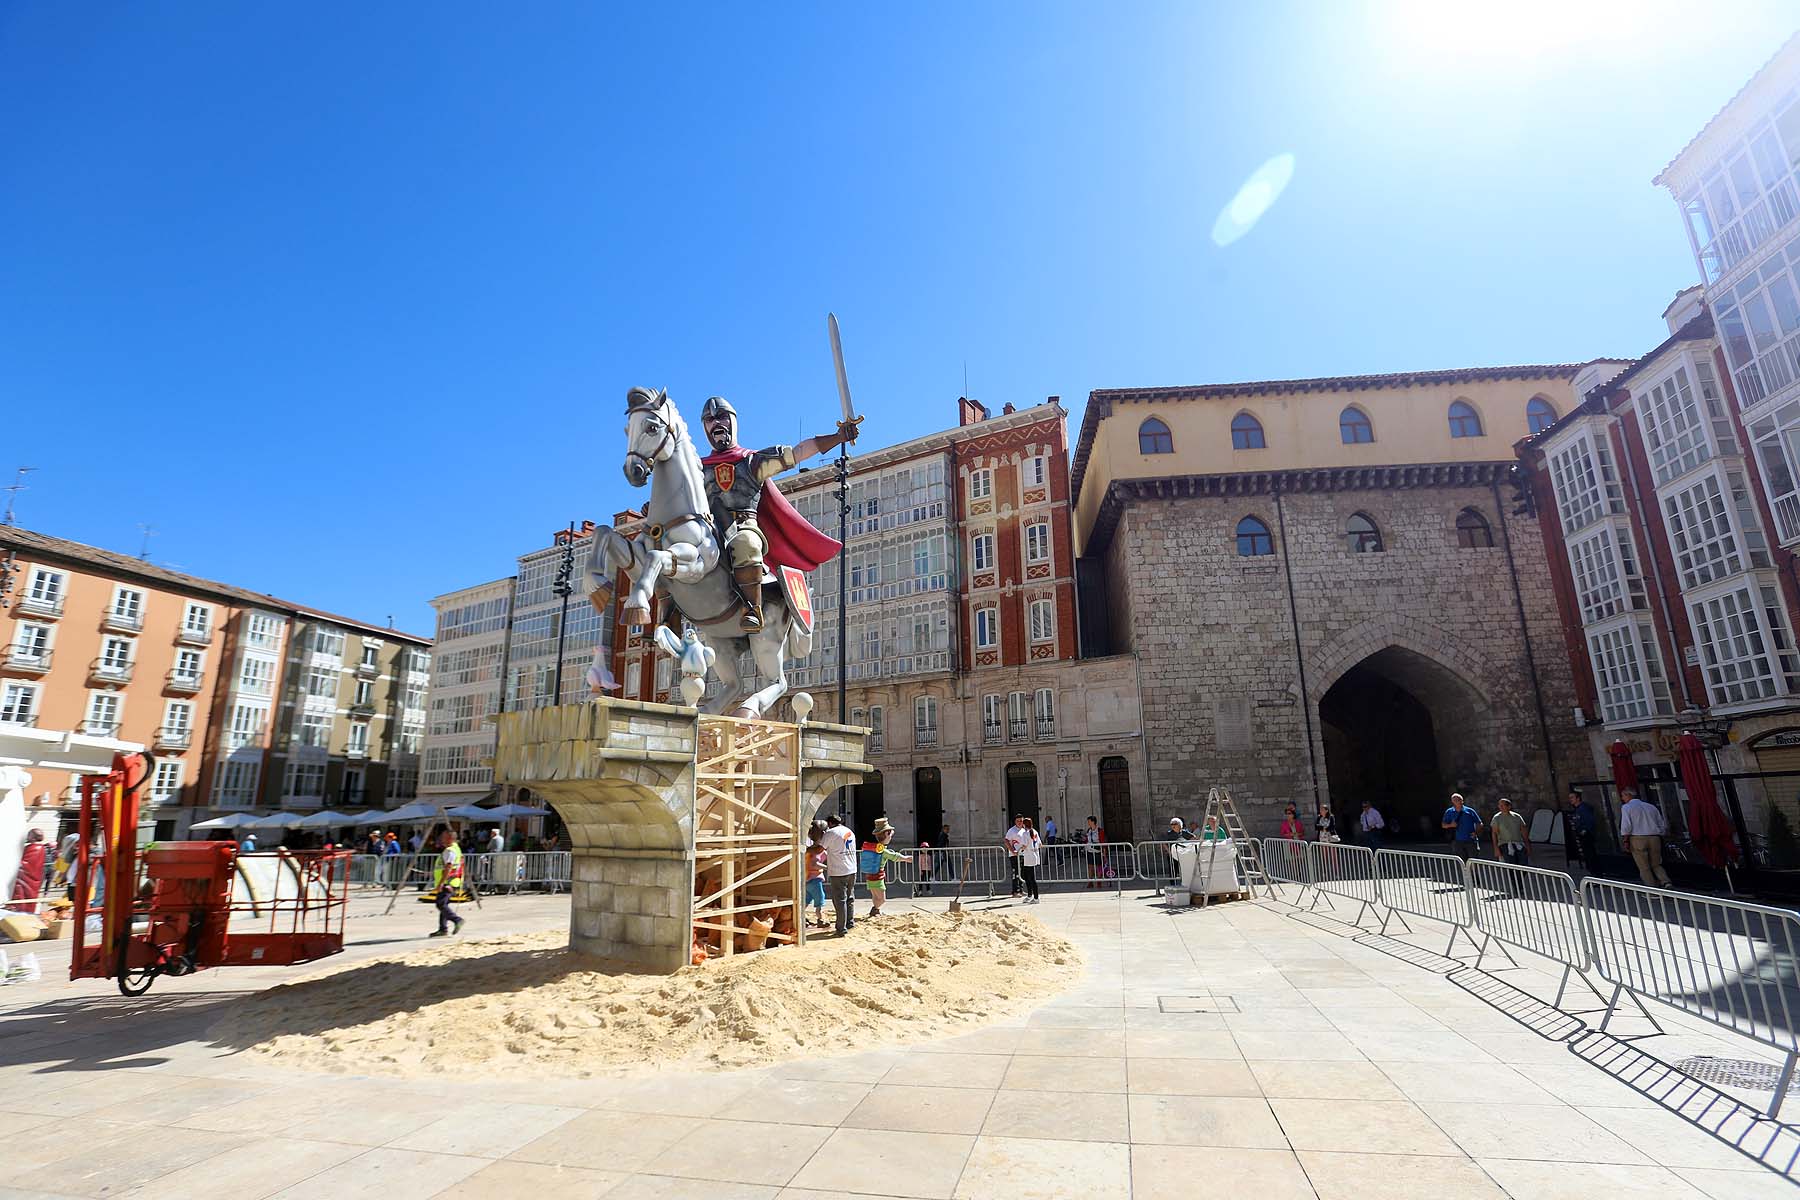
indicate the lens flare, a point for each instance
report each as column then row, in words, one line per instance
column 1255, row 198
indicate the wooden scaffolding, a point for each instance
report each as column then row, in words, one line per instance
column 749, row 835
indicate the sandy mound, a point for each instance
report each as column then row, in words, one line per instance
column 478, row 1006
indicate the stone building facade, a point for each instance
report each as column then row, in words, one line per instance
column 1311, row 631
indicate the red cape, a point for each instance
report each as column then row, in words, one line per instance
column 793, row 542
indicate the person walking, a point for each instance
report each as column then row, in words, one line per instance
column 1092, row 839
column 1508, row 832
column 943, row 835
column 840, row 872
column 247, row 844
column 873, row 859
column 1371, row 825
column 1031, row 852
column 449, row 879
column 1579, row 824
column 1012, row 839
column 923, row 887
column 1050, row 832
column 1291, row 828
column 1642, row 828
column 1464, row 823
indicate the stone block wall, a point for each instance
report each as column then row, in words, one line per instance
column 1215, row 641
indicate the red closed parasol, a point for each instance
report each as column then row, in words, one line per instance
column 1708, row 827
column 1624, row 771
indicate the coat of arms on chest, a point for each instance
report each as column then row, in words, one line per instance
column 725, row 474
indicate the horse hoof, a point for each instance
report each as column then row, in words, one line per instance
column 636, row 616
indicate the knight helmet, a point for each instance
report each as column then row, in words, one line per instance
column 719, row 406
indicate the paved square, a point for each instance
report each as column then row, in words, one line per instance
column 1303, row 1058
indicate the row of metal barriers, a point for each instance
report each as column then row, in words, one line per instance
column 1727, row 962
column 507, row 871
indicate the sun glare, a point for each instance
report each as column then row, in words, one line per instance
column 1253, row 199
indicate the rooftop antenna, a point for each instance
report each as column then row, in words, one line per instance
column 12, row 493
column 149, row 532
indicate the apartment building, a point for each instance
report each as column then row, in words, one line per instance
column 348, row 726
column 1673, row 487
column 111, row 646
column 468, row 681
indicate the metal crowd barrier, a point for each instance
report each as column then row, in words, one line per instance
column 1534, row 910
column 1155, row 864
column 1104, row 864
column 1431, row 886
column 1343, row 870
column 988, row 866
column 1727, row 962
column 1284, row 860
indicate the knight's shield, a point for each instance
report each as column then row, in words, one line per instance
column 799, row 599
column 725, row 474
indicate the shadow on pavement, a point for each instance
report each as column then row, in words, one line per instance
column 1771, row 1143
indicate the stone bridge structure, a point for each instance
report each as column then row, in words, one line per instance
column 624, row 778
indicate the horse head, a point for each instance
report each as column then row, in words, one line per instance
column 653, row 432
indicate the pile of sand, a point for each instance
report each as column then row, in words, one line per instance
column 525, row 1001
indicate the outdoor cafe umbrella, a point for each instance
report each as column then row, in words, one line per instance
column 324, row 820
column 1708, row 827
column 228, row 821
column 280, row 820
column 474, row 812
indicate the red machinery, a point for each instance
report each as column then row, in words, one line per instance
column 192, row 905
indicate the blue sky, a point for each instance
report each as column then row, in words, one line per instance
column 344, row 299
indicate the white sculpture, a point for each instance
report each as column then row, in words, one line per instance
column 694, row 658
column 13, row 782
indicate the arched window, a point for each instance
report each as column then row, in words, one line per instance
column 1253, row 538
column 1472, row 530
column 1540, row 414
column 1246, row 433
column 1464, row 421
column 1154, row 438
column 1362, row 536
column 1354, row 427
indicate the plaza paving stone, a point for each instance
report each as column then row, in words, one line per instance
column 1252, row 1047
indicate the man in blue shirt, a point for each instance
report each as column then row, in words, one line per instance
column 1464, row 823
column 1578, row 833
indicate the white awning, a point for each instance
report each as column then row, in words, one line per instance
column 54, row 750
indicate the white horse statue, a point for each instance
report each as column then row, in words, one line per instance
column 679, row 553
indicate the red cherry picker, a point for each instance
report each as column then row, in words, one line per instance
column 182, row 907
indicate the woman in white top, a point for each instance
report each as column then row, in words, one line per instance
column 1031, row 852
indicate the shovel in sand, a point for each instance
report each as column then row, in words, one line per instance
column 956, row 904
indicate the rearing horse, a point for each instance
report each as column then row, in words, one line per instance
column 679, row 551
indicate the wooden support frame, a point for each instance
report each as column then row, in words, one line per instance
column 748, row 828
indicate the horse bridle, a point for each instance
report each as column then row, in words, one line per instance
column 650, row 460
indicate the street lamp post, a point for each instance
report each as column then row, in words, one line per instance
column 843, row 497
column 564, row 587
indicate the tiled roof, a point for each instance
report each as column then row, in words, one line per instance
column 31, row 544
column 1100, row 402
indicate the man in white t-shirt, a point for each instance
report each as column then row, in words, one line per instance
column 840, row 872
column 1014, row 840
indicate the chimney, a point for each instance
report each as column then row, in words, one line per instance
column 1054, row 400
column 1007, row 409
column 970, row 412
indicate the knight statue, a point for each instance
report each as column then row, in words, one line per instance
column 755, row 521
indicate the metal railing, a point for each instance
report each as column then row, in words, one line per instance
column 1284, row 860
column 1726, row 962
column 1432, row 886
column 29, row 658
column 1535, row 910
column 179, row 682
column 122, row 622
column 1342, row 870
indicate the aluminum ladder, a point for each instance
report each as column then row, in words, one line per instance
column 1220, row 810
